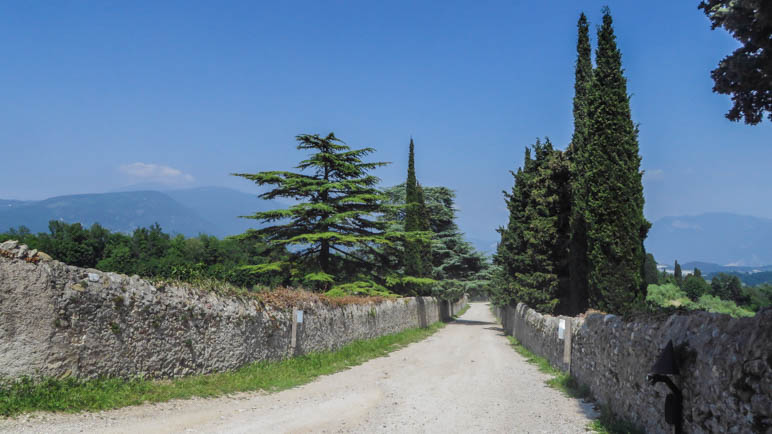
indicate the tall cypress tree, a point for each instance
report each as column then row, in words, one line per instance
column 417, row 251
column 613, row 209
column 577, row 155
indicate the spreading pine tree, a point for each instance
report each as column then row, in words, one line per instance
column 613, row 207
column 577, row 155
column 332, row 221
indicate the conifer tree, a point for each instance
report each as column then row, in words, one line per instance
column 425, row 226
column 613, row 207
column 650, row 273
column 533, row 252
column 332, row 219
column 456, row 267
column 577, row 156
column 417, row 251
column 678, row 274
column 510, row 254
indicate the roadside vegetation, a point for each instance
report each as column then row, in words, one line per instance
column 725, row 293
column 73, row 395
column 607, row 423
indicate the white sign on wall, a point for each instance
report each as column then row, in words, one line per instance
column 561, row 329
column 299, row 316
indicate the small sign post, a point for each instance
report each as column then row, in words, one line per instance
column 561, row 329
column 297, row 318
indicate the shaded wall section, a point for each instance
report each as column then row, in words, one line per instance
column 725, row 364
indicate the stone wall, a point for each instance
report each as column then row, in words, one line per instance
column 725, row 364
column 57, row 320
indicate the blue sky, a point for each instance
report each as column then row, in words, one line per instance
column 100, row 95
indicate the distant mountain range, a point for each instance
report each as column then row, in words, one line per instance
column 736, row 242
column 715, row 242
column 210, row 210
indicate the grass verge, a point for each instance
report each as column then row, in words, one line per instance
column 462, row 311
column 607, row 423
column 71, row 395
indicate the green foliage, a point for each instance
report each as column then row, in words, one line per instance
column 752, row 279
column 678, row 274
column 758, row 297
column 613, row 208
column 650, row 273
column 577, row 154
column 727, row 287
column 149, row 252
column 417, row 252
column 746, row 74
column 533, row 252
column 456, row 266
column 669, row 295
column 695, row 286
column 360, row 287
column 330, row 228
column 714, row 304
column 72, row 395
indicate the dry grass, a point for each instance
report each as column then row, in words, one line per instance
column 281, row 298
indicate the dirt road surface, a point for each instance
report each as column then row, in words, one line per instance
column 465, row 378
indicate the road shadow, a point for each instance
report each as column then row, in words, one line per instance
column 471, row 322
column 496, row 329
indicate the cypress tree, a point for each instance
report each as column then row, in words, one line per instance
column 417, row 251
column 533, row 253
column 576, row 154
column 510, row 257
column 650, row 273
column 613, row 207
column 678, row 274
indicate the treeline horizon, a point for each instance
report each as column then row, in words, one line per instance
column 451, row 266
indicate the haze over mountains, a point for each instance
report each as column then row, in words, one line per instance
column 210, row 210
column 718, row 238
column 718, row 241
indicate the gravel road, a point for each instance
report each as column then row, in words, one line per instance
column 465, row 378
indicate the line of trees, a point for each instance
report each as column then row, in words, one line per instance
column 346, row 236
column 725, row 293
column 150, row 252
column 576, row 227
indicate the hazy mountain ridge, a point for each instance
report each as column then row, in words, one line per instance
column 714, row 238
column 210, row 210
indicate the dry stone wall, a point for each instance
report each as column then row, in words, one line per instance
column 57, row 320
column 725, row 364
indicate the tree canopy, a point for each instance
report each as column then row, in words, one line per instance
column 533, row 253
column 746, row 74
column 333, row 220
